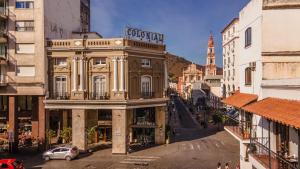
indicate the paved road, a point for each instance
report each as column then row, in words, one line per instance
column 195, row 148
column 185, row 118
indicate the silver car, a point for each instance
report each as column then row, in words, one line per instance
column 65, row 152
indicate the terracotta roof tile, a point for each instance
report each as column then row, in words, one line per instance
column 240, row 99
column 280, row 110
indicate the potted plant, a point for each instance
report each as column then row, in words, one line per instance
column 91, row 134
column 50, row 134
column 66, row 135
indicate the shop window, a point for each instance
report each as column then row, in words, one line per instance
column 3, row 103
column 104, row 115
column 248, row 76
column 24, row 103
column 144, row 116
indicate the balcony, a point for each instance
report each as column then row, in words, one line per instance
column 3, row 80
column 261, row 153
column 147, row 95
column 3, row 10
column 239, row 129
column 98, row 96
column 61, row 96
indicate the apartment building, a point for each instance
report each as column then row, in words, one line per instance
column 230, row 58
column 267, row 115
column 117, row 85
column 25, row 27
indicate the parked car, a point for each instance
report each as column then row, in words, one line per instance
column 64, row 152
column 11, row 164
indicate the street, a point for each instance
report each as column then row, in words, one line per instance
column 195, row 148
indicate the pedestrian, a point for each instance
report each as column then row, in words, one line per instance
column 227, row 166
column 237, row 166
column 219, row 165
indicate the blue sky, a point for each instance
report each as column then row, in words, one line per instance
column 186, row 24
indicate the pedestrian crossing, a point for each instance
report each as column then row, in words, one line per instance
column 201, row 145
column 139, row 160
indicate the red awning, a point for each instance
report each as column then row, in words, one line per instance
column 279, row 110
column 240, row 99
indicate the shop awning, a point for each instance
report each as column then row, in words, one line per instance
column 240, row 99
column 283, row 111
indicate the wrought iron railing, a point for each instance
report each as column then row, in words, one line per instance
column 147, row 95
column 270, row 159
column 240, row 128
column 61, row 95
column 98, row 96
column 3, row 79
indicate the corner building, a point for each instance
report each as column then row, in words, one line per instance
column 117, row 85
column 25, row 26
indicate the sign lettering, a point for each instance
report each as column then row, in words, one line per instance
column 146, row 36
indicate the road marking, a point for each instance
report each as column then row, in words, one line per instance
column 192, row 147
column 198, row 146
column 139, row 160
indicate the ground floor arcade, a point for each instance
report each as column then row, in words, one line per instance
column 118, row 125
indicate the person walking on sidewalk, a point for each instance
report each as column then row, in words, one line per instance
column 219, row 165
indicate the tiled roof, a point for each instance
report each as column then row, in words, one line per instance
column 240, row 99
column 280, row 110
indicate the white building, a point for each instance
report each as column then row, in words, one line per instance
column 230, row 42
column 269, row 99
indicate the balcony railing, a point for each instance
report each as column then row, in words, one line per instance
column 3, row 11
column 98, row 96
column 240, row 129
column 61, row 96
column 268, row 158
column 3, row 80
column 147, row 95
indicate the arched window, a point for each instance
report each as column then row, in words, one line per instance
column 99, row 87
column 60, row 87
column 146, row 85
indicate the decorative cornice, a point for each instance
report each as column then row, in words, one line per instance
column 281, row 53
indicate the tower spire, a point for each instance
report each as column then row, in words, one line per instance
column 211, row 59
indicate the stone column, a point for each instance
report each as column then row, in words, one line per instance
column 81, row 69
column 12, row 122
column 160, row 118
column 166, row 75
column 119, row 132
column 42, row 120
column 34, row 117
column 65, row 118
column 75, row 74
column 115, row 63
column 79, row 137
column 122, row 75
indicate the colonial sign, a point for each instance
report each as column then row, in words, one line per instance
column 138, row 34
